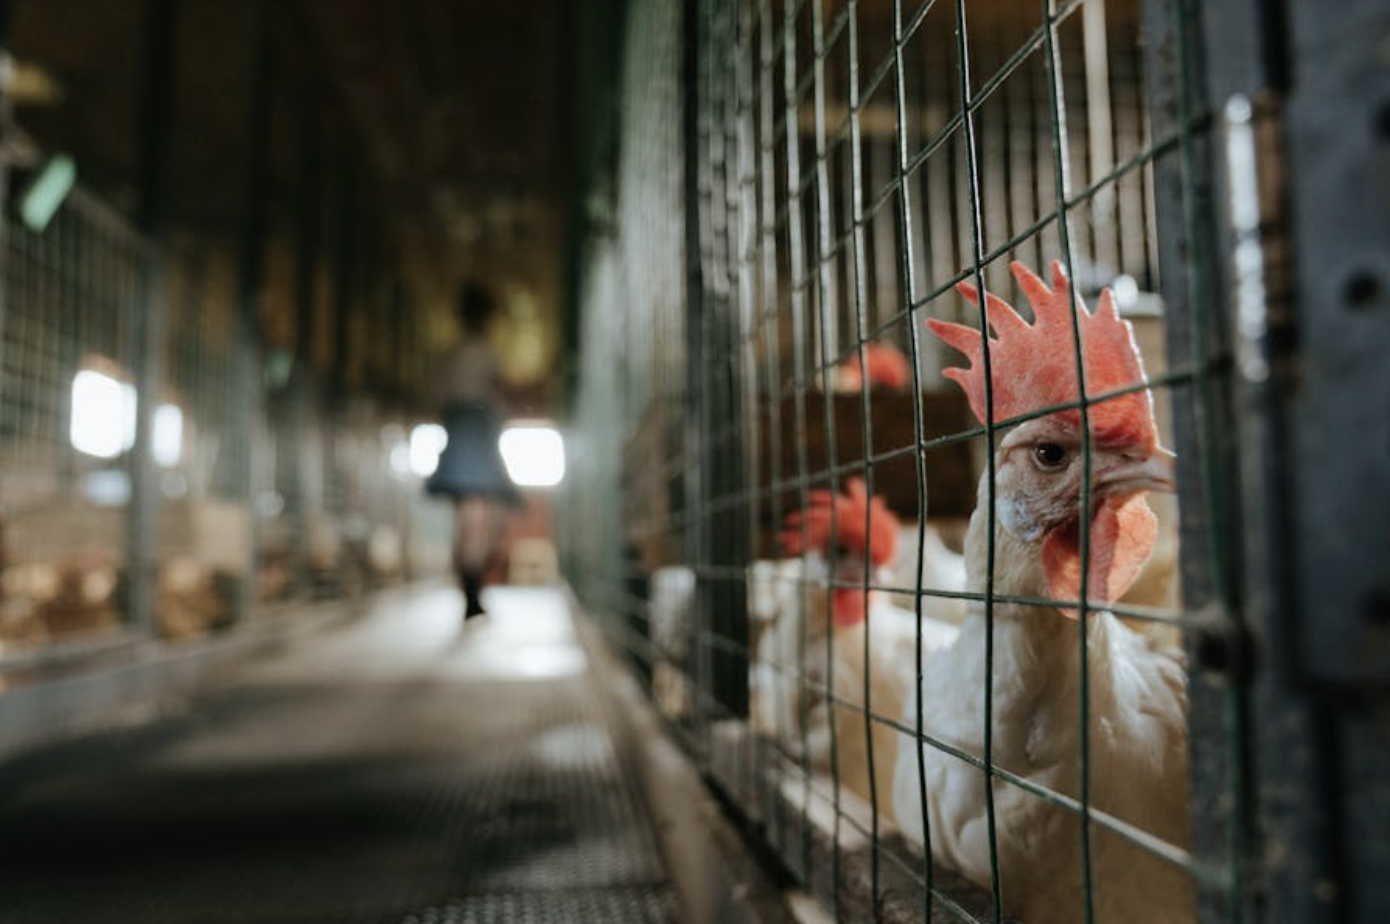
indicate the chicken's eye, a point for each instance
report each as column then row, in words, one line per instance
column 1049, row 455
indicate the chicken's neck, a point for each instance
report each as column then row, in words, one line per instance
column 1018, row 568
column 1036, row 660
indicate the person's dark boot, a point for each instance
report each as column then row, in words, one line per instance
column 472, row 592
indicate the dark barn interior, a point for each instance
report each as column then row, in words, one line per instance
column 694, row 460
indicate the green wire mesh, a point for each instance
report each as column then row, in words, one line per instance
column 837, row 167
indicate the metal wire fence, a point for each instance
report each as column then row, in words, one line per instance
column 70, row 295
column 236, row 515
column 916, row 730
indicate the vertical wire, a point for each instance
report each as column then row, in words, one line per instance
column 717, row 321
column 755, row 314
column 967, row 129
column 909, row 288
column 860, row 307
column 769, row 317
column 704, row 45
column 731, row 327
column 749, row 242
column 800, row 375
column 824, row 254
column 725, row 353
column 1061, row 179
column 709, row 249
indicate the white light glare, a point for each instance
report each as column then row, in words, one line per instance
column 397, row 443
column 534, row 455
column 400, row 459
column 427, row 441
column 103, row 415
column 168, row 435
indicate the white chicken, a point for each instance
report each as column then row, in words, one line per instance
column 792, row 668
column 1137, row 747
column 672, row 589
column 942, row 569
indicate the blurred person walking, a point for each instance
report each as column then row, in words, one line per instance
column 470, row 472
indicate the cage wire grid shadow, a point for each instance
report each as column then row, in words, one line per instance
column 765, row 422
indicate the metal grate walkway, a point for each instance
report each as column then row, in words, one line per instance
column 396, row 770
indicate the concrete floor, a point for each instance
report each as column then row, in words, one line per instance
column 397, row 768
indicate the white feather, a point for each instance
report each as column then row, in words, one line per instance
column 1138, row 754
column 791, row 669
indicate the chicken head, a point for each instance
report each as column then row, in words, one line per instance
column 1041, row 470
column 842, row 527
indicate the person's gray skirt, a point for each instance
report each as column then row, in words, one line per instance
column 471, row 463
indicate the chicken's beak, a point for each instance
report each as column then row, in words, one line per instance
column 1127, row 474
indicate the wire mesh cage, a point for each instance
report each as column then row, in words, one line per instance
column 250, row 488
column 72, row 295
column 836, row 568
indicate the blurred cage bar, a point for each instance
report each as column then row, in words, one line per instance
column 324, row 517
column 843, row 165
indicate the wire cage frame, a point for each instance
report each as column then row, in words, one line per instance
column 847, row 166
column 233, row 501
column 72, row 297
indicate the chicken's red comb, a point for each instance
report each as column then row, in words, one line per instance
column 1034, row 365
column 887, row 365
column 850, row 509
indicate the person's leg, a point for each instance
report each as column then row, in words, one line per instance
column 473, row 540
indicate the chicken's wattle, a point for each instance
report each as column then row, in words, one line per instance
column 1123, row 533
